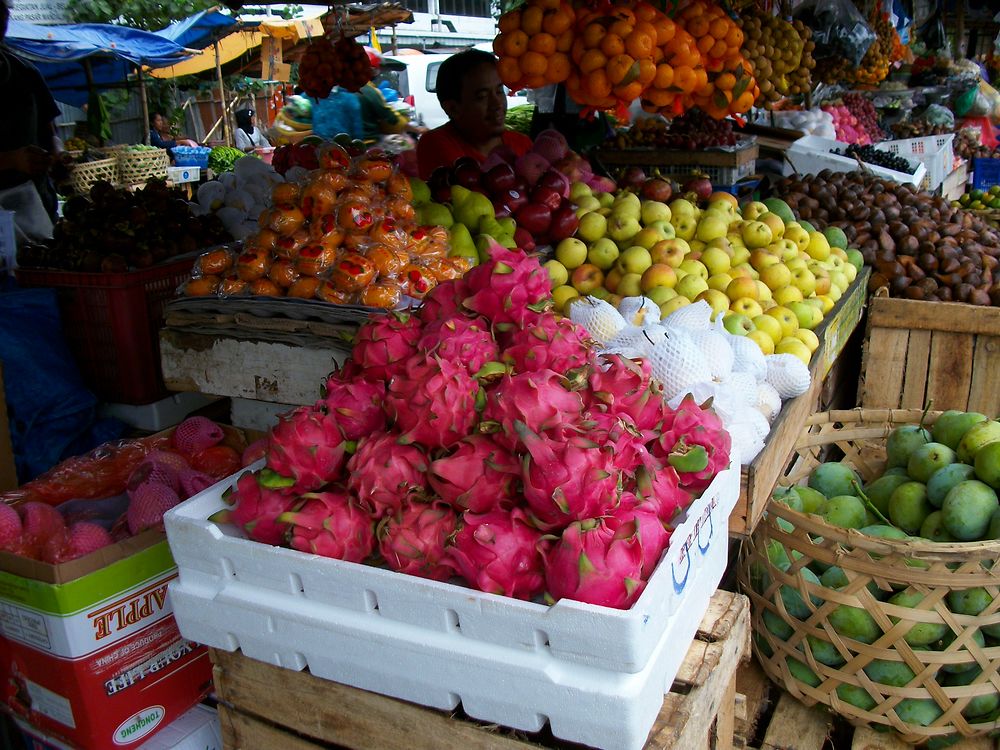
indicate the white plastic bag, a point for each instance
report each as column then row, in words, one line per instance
column 31, row 220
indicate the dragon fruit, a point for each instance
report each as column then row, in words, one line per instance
column 444, row 301
column 254, row 452
column 620, row 433
column 415, row 540
column 258, row 500
column 696, row 445
column 384, row 343
column 510, row 290
column 625, row 386
column 195, row 434
column 357, row 405
column 464, row 340
column 598, row 561
column 433, row 402
column 538, row 399
column 480, row 476
column 567, row 480
column 383, row 473
column 331, row 524
column 653, row 535
column 551, row 343
column 500, row 553
column 659, row 486
column 308, row 446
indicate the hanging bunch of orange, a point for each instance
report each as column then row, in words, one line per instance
column 717, row 36
column 731, row 91
column 534, row 43
column 680, row 72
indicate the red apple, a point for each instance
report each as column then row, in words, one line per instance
column 586, row 278
column 546, row 196
column 524, row 239
column 466, row 173
column 514, row 199
column 633, row 177
column 555, row 180
column 700, row 186
column 501, row 210
column 534, row 218
column 499, row 179
column 655, row 189
column 564, row 222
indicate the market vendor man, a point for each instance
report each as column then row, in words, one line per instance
column 471, row 94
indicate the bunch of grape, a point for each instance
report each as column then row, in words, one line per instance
column 871, row 155
column 780, row 53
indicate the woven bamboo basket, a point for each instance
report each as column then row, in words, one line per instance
column 817, row 664
column 135, row 167
column 87, row 173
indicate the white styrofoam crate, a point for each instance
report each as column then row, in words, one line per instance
column 183, row 174
column 596, row 675
column 812, row 154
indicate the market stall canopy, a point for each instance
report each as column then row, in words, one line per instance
column 245, row 36
column 112, row 52
column 201, row 29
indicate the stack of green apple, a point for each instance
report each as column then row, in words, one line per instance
column 938, row 485
column 770, row 277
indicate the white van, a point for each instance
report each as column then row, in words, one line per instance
column 417, row 78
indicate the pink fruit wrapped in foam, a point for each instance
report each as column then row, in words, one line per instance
column 540, row 400
column 384, row 343
column 254, row 452
column 433, row 402
column 39, row 523
column 331, row 524
column 466, row 341
column 551, row 343
column 567, row 480
column 479, row 476
column 195, row 434
column 192, row 482
column 383, row 473
column 415, row 540
column 696, row 445
column 152, row 470
column 308, row 446
column 653, row 535
column 598, row 561
column 500, row 553
column 10, row 529
column 258, row 500
column 510, row 290
column 357, row 406
column 147, row 504
column 80, row 539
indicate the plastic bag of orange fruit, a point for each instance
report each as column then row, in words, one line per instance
column 326, row 64
column 347, row 235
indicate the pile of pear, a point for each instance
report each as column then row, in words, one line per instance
column 771, row 278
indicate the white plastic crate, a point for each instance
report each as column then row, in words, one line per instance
column 812, row 154
column 183, row 174
column 594, row 674
column 933, row 151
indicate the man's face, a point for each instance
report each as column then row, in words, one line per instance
column 479, row 113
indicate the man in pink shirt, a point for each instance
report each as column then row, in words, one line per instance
column 471, row 94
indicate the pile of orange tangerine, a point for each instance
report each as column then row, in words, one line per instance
column 610, row 56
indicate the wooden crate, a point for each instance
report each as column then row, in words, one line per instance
column 263, row 707
column 947, row 353
column 758, row 479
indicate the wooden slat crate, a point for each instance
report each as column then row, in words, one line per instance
column 263, row 707
column 947, row 353
column 758, row 479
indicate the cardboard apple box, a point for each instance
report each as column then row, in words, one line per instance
column 89, row 650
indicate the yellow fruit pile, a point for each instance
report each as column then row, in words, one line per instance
column 780, row 53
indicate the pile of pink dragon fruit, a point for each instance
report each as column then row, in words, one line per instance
column 482, row 438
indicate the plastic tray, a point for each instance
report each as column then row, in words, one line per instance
column 191, row 156
column 933, row 151
column 112, row 323
column 812, row 154
column 596, row 675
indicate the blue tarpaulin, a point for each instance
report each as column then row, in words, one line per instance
column 201, row 29
column 113, row 51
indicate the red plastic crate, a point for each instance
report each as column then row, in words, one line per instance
column 112, row 323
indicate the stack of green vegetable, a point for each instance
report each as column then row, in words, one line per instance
column 223, row 158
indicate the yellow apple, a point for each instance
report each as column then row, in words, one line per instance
column 691, row 286
column 561, row 295
column 776, row 276
column 716, row 260
column 805, row 313
column 682, row 206
column 742, row 286
column 669, row 252
column 851, row 273
column 839, row 280
column 774, row 223
column 661, row 294
column 719, row 281
column 789, row 323
column 711, row 226
column 770, row 326
column 795, row 347
column 754, row 209
column 763, row 340
column 558, row 275
column 756, row 234
column 630, row 285
column 743, row 270
column 797, row 234
column 835, row 294
column 808, row 338
column 685, row 226
column 741, row 254
column 828, row 302
column 818, row 247
column 658, row 275
column 787, row 294
column 804, row 279
column 763, row 291
column 612, row 280
column 718, row 301
column 822, row 282
column 697, row 246
column 676, row 303
column 634, row 259
column 761, row 259
column 749, row 307
column 796, row 263
column 695, row 267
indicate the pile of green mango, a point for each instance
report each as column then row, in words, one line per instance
column 939, row 484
